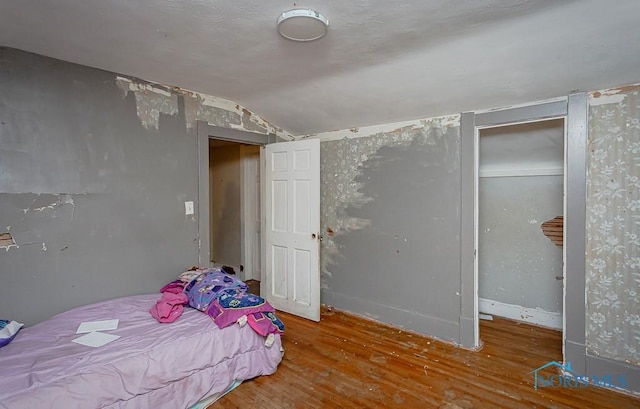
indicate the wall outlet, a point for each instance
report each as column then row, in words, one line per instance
column 188, row 208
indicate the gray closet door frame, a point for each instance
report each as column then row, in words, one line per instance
column 575, row 188
column 576, row 111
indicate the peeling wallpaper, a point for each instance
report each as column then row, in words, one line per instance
column 613, row 225
column 30, row 221
column 155, row 99
column 341, row 164
column 95, row 169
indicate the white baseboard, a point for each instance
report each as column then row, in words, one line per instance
column 535, row 316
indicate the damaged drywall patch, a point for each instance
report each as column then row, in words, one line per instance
column 204, row 108
column 7, row 241
column 151, row 101
column 612, row 96
column 606, row 97
column 154, row 99
column 64, row 199
column 554, row 230
column 449, row 121
column 224, row 113
column 250, row 124
column 29, row 224
column 42, row 202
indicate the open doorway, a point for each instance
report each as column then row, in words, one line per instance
column 290, row 216
column 234, row 190
column 520, row 222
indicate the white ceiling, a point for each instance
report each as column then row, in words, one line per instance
column 381, row 62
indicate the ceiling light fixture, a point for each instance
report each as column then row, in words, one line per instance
column 302, row 25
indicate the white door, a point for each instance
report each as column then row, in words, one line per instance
column 292, row 227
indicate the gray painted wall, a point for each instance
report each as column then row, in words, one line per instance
column 94, row 172
column 224, row 163
column 517, row 263
column 391, row 216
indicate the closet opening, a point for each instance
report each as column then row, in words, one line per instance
column 520, row 213
column 234, row 208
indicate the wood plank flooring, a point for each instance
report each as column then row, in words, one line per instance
column 346, row 361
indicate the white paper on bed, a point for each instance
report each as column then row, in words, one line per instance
column 95, row 339
column 91, row 326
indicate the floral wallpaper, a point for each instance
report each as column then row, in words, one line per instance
column 613, row 225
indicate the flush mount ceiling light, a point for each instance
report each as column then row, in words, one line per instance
column 302, row 25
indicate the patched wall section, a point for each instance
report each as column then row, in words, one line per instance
column 613, row 225
column 391, row 222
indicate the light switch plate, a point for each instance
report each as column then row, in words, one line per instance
column 188, row 208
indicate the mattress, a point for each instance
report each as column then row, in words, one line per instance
column 152, row 364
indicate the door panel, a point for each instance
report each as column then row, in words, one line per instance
column 292, row 227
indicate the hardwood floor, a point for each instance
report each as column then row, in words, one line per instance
column 349, row 362
column 254, row 286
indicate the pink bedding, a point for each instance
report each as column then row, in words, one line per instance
column 151, row 365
